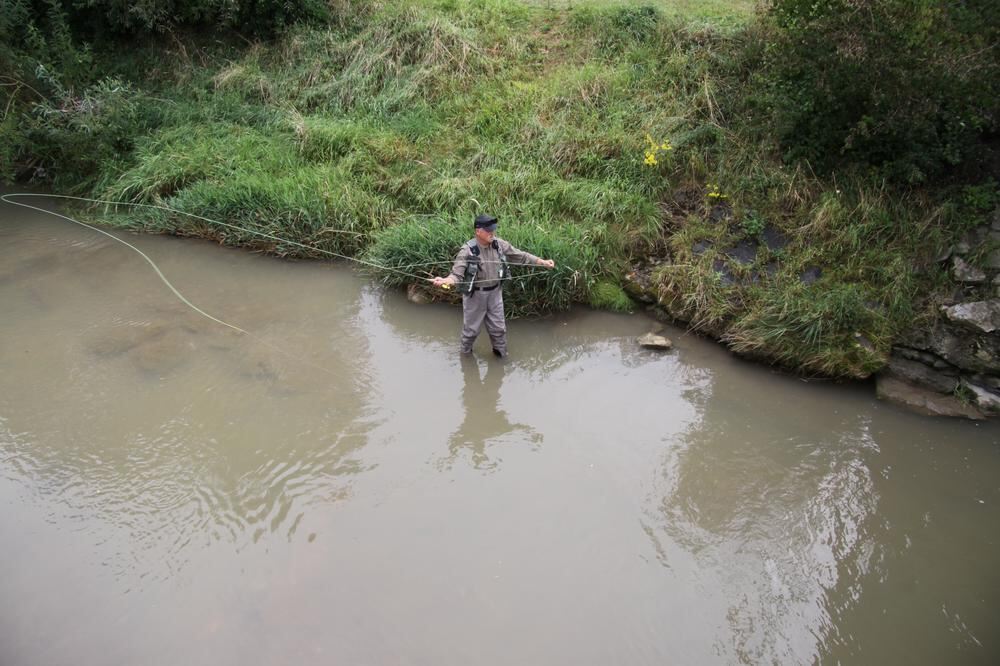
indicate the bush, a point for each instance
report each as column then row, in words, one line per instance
column 907, row 88
column 255, row 17
column 73, row 137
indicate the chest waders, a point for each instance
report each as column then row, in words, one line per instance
column 472, row 267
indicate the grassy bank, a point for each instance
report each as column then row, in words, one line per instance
column 600, row 134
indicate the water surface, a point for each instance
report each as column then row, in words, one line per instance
column 339, row 487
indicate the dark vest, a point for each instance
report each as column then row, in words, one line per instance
column 472, row 266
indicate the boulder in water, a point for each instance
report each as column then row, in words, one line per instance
column 654, row 341
column 417, row 294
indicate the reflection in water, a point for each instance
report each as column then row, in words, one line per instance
column 776, row 508
column 484, row 423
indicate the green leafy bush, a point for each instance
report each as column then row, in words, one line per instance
column 257, row 17
column 909, row 88
column 78, row 135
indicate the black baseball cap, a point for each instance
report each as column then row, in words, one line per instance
column 487, row 222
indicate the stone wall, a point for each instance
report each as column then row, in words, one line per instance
column 953, row 367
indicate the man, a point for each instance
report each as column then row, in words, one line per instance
column 480, row 270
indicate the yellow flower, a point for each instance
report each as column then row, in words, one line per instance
column 714, row 192
column 654, row 149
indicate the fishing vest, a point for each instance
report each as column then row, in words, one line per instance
column 465, row 287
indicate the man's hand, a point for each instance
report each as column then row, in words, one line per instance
column 445, row 282
column 548, row 263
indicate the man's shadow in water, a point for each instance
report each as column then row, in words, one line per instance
column 484, row 423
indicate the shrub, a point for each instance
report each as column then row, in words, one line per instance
column 256, row 17
column 73, row 137
column 906, row 87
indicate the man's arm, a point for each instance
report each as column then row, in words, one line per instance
column 457, row 270
column 516, row 256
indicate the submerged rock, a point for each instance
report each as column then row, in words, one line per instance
column 654, row 341
column 417, row 294
column 922, row 400
column 117, row 340
column 162, row 354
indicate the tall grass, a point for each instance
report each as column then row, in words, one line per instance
column 382, row 135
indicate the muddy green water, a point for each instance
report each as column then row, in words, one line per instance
column 338, row 488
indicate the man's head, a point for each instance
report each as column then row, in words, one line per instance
column 486, row 226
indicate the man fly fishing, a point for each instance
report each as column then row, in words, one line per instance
column 479, row 270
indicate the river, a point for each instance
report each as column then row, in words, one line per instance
column 337, row 487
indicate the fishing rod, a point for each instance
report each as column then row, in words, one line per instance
column 391, row 269
column 7, row 198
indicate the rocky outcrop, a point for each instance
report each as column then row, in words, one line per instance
column 952, row 367
column 980, row 316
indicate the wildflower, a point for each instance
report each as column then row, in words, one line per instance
column 654, row 150
column 714, row 193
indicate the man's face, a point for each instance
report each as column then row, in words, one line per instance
column 483, row 236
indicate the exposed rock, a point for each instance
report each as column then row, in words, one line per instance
column 923, row 375
column 686, row 199
column 926, row 358
column 654, row 341
column 811, row 274
column 744, row 252
column 863, row 342
column 986, row 400
column 700, row 247
column 725, row 274
column 923, row 400
column 417, row 294
column 963, row 272
column 981, row 316
column 972, row 240
column 993, row 260
column 720, row 211
column 958, row 346
column 639, row 286
column 944, row 254
column 774, row 239
column 991, row 382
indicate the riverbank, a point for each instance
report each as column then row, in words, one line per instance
column 620, row 140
